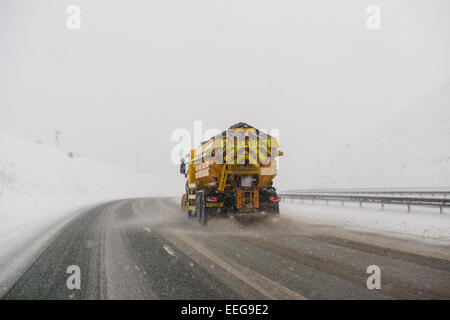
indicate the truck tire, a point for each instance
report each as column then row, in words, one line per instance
column 197, row 204
column 276, row 209
column 200, row 208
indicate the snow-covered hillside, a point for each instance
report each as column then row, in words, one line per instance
column 37, row 181
column 410, row 150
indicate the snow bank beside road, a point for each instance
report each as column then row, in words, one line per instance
column 42, row 188
column 427, row 223
column 37, row 181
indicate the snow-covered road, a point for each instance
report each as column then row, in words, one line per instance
column 147, row 248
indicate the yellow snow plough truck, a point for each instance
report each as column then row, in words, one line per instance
column 232, row 175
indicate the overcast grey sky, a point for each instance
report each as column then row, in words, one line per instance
column 137, row 70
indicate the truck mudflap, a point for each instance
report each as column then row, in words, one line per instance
column 183, row 202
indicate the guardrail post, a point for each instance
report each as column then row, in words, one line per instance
column 326, row 201
column 360, row 204
column 441, row 209
column 342, row 203
column 382, row 205
column 409, row 207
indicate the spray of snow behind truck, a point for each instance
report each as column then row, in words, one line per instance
column 231, row 174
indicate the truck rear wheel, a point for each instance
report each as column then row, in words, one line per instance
column 200, row 208
column 276, row 209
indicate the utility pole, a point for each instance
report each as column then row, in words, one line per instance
column 57, row 134
column 137, row 163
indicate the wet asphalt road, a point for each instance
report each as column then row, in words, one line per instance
column 149, row 249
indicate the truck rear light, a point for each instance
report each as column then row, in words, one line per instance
column 212, row 199
column 275, row 199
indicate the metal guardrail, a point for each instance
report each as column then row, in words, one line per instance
column 391, row 191
column 407, row 198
